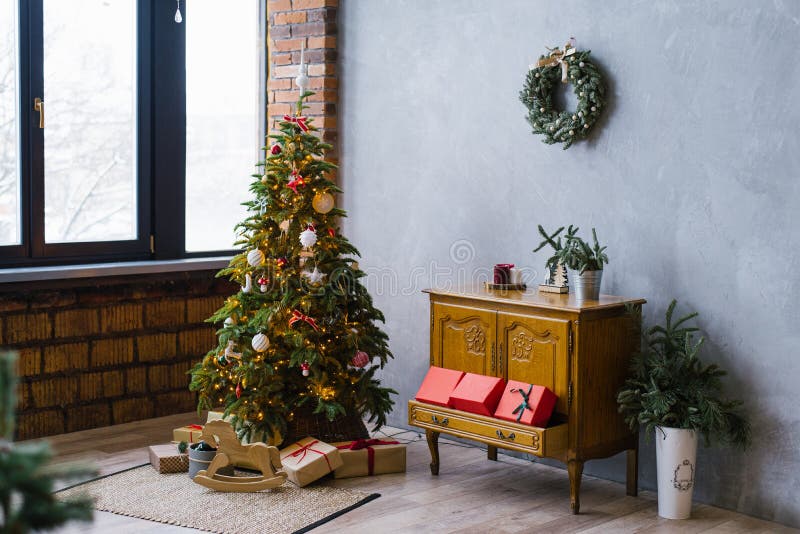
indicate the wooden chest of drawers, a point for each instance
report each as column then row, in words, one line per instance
column 580, row 350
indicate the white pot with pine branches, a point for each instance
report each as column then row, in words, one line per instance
column 676, row 397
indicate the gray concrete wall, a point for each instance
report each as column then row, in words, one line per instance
column 691, row 180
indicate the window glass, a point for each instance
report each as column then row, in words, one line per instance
column 222, row 116
column 9, row 127
column 90, row 120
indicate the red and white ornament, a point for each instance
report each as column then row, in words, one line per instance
column 305, row 368
column 360, row 359
column 263, row 284
column 260, row 342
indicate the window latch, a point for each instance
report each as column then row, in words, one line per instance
column 38, row 105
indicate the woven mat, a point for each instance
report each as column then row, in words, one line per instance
column 174, row 499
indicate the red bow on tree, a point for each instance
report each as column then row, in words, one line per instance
column 298, row 316
column 300, row 121
column 297, row 180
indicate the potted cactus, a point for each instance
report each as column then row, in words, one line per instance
column 678, row 398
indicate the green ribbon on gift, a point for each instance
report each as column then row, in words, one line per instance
column 525, row 399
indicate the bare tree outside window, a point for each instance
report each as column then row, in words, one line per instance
column 90, row 130
column 9, row 127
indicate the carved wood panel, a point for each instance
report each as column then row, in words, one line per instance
column 537, row 352
column 463, row 338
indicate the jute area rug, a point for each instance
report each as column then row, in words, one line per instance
column 174, row 499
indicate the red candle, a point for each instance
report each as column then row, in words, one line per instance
column 502, row 273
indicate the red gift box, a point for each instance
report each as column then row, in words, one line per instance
column 439, row 383
column 525, row 403
column 477, row 394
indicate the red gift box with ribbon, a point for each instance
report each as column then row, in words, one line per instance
column 525, row 403
column 188, row 433
column 366, row 457
column 439, row 383
column 308, row 460
column 477, row 394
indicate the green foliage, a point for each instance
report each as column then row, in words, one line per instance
column 270, row 385
column 27, row 478
column 564, row 126
column 669, row 386
column 573, row 252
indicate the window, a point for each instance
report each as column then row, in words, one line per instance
column 123, row 134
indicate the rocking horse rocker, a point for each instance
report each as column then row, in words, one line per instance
column 230, row 451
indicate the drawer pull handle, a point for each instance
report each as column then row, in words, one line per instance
column 436, row 421
column 511, row 436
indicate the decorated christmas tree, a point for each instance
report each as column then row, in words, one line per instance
column 301, row 334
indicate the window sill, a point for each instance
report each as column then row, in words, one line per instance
column 96, row 270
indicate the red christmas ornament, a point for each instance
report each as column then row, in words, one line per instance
column 296, row 181
column 275, row 150
column 331, row 232
column 262, row 284
column 238, row 390
column 281, row 262
column 361, row 359
column 305, row 367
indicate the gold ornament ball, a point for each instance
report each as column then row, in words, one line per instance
column 309, row 157
column 322, row 202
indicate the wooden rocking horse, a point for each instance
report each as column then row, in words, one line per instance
column 231, row 452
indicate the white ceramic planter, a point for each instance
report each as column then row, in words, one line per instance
column 676, row 456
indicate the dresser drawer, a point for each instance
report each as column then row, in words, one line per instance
column 534, row 440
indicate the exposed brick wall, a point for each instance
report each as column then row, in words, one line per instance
column 293, row 23
column 104, row 351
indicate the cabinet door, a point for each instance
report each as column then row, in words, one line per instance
column 463, row 339
column 535, row 350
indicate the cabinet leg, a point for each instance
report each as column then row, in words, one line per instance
column 491, row 453
column 575, row 468
column 632, row 475
column 433, row 445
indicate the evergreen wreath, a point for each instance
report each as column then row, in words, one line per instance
column 568, row 65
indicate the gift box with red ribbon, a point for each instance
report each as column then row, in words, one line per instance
column 439, row 383
column 188, row 433
column 477, row 394
column 308, row 460
column 366, row 457
column 526, row 404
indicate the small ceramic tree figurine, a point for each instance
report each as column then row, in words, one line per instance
column 556, row 281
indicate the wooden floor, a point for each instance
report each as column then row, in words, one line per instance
column 471, row 495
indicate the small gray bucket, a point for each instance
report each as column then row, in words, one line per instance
column 586, row 285
column 200, row 460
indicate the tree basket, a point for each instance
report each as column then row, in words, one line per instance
column 344, row 428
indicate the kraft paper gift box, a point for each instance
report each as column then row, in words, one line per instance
column 526, row 403
column 439, row 383
column 365, row 457
column 308, row 460
column 188, row 433
column 168, row 459
column 477, row 394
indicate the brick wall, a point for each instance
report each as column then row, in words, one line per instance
column 109, row 350
column 292, row 24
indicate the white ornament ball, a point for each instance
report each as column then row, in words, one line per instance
column 536, row 75
column 581, row 93
column 572, row 132
column 360, row 359
column 581, row 64
column 308, row 238
column 594, row 108
column 552, row 129
column 574, row 117
column 580, row 114
column 541, row 110
column 260, row 342
column 585, row 125
column 322, row 202
column 255, row 257
column 580, row 82
column 230, row 321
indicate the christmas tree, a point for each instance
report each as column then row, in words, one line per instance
column 27, row 478
column 301, row 335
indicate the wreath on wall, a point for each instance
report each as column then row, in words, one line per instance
column 569, row 65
